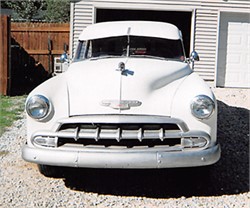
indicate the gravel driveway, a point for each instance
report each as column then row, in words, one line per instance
column 21, row 185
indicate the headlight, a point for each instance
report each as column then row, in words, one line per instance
column 38, row 107
column 202, row 107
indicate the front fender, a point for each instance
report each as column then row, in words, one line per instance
column 55, row 89
column 192, row 86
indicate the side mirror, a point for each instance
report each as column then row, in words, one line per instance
column 64, row 58
column 194, row 56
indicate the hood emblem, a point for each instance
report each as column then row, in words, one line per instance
column 121, row 105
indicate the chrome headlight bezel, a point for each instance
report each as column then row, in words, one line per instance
column 202, row 107
column 38, row 107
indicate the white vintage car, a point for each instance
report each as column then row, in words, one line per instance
column 128, row 100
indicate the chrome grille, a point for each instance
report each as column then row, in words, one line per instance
column 127, row 135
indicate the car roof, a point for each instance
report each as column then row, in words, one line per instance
column 133, row 28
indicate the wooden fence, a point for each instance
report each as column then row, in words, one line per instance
column 4, row 57
column 33, row 47
column 42, row 41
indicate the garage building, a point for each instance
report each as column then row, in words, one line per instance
column 219, row 30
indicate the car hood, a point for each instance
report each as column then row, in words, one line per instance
column 143, row 86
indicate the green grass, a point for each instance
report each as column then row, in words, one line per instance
column 10, row 110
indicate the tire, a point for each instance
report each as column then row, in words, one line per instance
column 50, row 171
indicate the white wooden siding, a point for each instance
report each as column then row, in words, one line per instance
column 205, row 42
column 82, row 16
column 206, row 22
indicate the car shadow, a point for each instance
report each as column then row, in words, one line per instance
column 229, row 176
column 26, row 73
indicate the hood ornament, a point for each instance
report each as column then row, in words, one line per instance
column 123, row 70
column 121, row 105
column 121, row 67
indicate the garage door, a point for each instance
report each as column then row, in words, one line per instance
column 234, row 51
column 181, row 19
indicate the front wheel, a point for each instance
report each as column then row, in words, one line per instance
column 50, row 171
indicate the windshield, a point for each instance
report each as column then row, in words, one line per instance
column 132, row 46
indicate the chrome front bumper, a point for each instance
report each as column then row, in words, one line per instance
column 92, row 158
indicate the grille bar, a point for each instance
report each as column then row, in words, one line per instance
column 119, row 131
